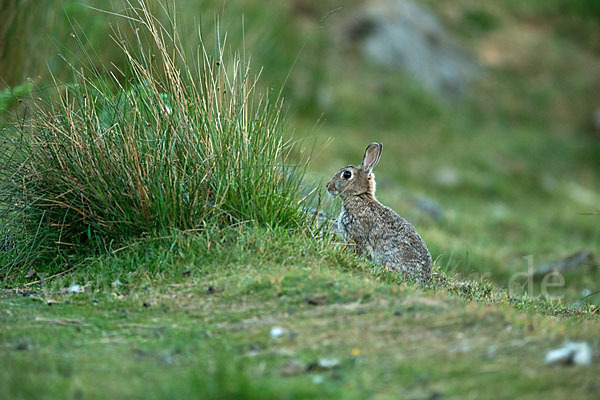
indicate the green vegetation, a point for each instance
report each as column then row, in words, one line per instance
column 10, row 96
column 154, row 204
column 183, row 143
column 184, row 316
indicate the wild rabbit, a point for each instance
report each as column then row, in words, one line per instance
column 373, row 228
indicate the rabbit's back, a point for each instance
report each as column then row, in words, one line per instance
column 397, row 244
column 389, row 239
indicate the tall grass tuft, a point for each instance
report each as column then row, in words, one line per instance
column 179, row 140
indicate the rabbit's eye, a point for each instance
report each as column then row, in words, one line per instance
column 347, row 174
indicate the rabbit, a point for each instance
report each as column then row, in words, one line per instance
column 376, row 230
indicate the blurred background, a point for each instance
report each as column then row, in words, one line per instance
column 489, row 112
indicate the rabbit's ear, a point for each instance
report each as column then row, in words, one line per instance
column 372, row 155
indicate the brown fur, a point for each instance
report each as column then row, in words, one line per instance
column 375, row 229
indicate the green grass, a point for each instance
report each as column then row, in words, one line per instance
column 183, row 311
column 186, row 319
column 178, row 141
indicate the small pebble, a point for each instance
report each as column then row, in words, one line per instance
column 572, row 353
column 276, row 332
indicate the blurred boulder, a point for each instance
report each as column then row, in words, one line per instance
column 583, row 259
column 404, row 35
column 430, row 207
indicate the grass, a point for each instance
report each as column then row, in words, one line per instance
column 185, row 319
column 182, row 143
column 525, row 162
column 510, row 172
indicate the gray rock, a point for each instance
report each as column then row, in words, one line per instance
column 583, row 259
column 572, row 353
column 404, row 35
column 430, row 207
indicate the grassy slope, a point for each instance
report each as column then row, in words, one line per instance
column 526, row 159
column 527, row 171
column 166, row 334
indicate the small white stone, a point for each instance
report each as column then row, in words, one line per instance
column 277, row 331
column 328, row 363
column 577, row 353
column 583, row 354
column 559, row 356
column 74, row 288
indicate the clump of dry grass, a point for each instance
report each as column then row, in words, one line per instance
column 177, row 141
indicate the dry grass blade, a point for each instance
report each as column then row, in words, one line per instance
column 180, row 140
